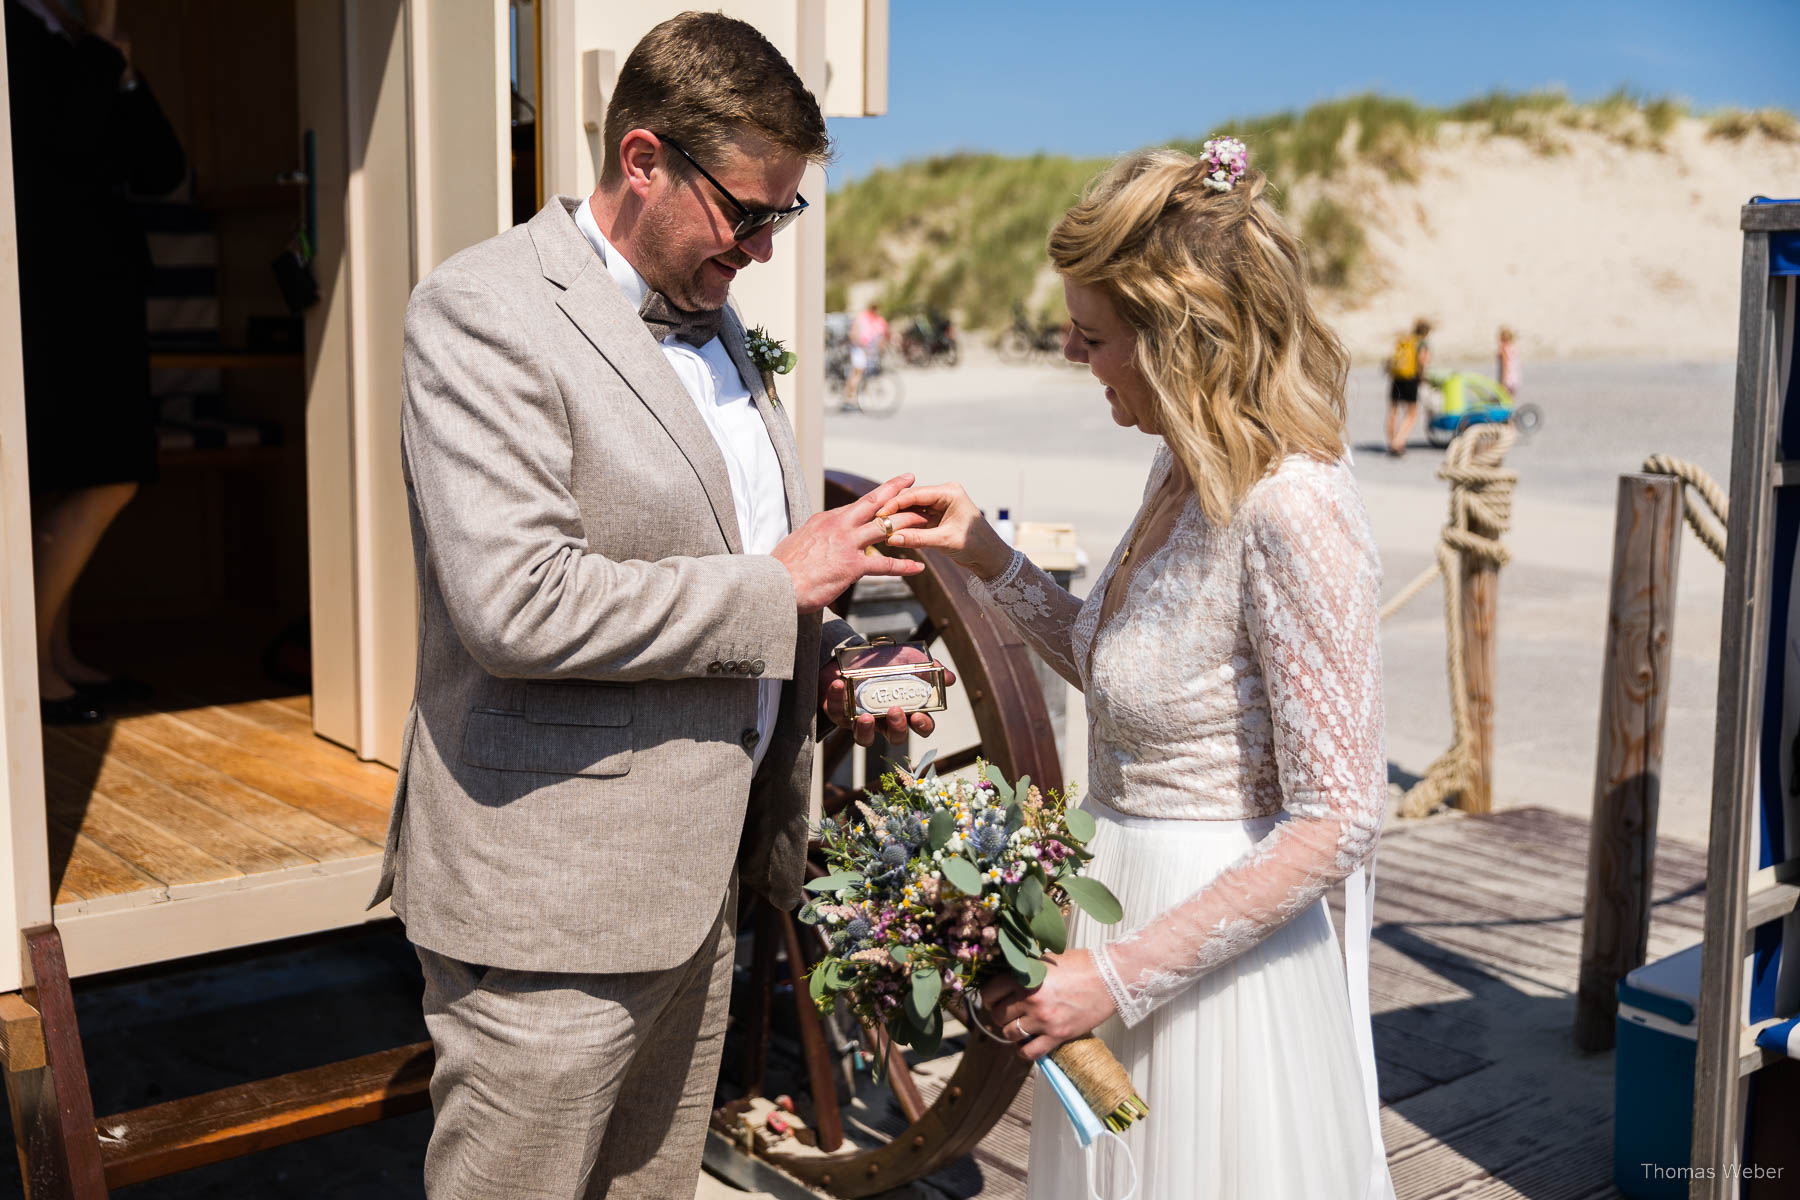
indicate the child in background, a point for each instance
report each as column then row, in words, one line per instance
column 1508, row 366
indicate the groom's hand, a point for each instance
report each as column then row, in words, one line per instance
column 834, row 700
column 836, row 548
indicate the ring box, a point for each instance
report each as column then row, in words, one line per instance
column 885, row 674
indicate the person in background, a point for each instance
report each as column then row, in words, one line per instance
column 85, row 132
column 868, row 338
column 1507, row 364
column 1406, row 369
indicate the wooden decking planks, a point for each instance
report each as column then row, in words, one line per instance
column 1473, row 972
column 150, row 805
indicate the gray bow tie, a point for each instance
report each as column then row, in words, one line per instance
column 663, row 318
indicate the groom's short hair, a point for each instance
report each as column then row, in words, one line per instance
column 702, row 78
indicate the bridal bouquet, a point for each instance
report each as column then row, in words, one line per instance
column 938, row 885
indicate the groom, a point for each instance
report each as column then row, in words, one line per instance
column 620, row 642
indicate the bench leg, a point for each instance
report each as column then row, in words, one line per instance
column 52, row 1108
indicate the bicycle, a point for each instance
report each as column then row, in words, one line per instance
column 880, row 392
column 1025, row 340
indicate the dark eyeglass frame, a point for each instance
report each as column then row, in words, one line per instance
column 751, row 221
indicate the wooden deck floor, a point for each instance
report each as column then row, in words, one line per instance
column 204, row 800
column 1477, row 944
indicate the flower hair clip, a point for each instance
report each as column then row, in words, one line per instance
column 1226, row 160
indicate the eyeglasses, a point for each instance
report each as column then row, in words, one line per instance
column 751, row 221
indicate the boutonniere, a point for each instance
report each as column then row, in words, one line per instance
column 770, row 357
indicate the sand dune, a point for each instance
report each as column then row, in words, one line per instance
column 1597, row 250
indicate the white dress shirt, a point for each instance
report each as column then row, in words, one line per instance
column 758, row 493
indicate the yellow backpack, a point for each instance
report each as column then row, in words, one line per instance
column 1405, row 363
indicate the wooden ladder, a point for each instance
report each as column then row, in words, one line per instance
column 65, row 1154
column 1738, row 899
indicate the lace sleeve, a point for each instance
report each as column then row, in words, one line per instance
column 1042, row 610
column 1310, row 585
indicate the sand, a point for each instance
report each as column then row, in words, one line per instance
column 1596, row 251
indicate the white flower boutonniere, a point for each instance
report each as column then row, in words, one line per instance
column 770, row 357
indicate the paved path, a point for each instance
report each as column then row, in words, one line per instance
column 1039, row 441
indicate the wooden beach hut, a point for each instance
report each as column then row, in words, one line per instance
column 377, row 137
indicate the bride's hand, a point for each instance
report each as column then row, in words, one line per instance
column 1072, row 1001
column 952, row 524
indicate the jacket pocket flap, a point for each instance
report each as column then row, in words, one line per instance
column 508, row 742
column 579, row 703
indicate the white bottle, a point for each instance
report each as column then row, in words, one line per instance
column 1003, row 526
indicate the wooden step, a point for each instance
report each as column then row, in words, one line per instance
column 148, row 1143
column 1774, row 893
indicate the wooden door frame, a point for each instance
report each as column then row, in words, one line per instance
column 25, row 834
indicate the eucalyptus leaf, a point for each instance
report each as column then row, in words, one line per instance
column 927, row 986
column 1094, row 898
column 925, row 760
column 1001, row 787
column 1031, row 897
column 962, row 876
column 941, row 829
column 898, row 954
column 815, row 983
column 1016, row 955
column 833, row 883
column 931, row 1036
column 1015, row 818
column 1035, row 971
column 1080, row 824
column 1048, row 926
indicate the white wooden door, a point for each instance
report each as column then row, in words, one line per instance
column 408, row 102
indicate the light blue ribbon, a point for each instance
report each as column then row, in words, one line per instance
column 1081, row 1116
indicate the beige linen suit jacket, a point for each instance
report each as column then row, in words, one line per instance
column 575, row 785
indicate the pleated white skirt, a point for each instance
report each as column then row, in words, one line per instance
column 1252, row 1074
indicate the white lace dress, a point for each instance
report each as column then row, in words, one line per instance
column 1236, row 761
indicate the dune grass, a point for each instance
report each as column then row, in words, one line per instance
column 965, row 232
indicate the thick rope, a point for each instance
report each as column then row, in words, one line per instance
column 1481, row 492
column 1710, row 530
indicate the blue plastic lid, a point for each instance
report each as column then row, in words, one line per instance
column 1668, row 987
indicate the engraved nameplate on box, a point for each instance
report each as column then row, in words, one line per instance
column 884, row 675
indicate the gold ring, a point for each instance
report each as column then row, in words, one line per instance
column 887, row 526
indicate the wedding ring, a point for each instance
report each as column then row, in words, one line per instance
column 1019, row 1023
column 887, row 526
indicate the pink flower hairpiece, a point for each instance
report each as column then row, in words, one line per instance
column 1226, row 161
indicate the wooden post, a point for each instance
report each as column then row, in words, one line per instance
column 1634, row 706
column 1480, row 605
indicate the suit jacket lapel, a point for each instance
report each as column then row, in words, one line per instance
column 781, row 434
column 594, row 303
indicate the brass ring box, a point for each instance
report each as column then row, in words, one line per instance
column 886, row 674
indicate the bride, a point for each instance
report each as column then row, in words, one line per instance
column 1231, row 665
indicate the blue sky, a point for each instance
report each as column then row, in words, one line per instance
column 1110, row 75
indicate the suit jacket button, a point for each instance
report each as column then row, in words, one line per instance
column 714, row 667
column 750, row 738
column 731, row 668
column 757, row 667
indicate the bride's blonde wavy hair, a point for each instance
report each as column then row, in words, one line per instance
column 1214, row 285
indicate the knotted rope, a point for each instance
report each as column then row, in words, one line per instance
column 1481, row 492
column 1710, row 530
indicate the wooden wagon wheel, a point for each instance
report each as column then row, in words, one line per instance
column 995, row 673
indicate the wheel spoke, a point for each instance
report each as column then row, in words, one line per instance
column 828, row 1123
column 946, row 763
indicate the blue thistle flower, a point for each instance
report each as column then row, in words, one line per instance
column 989, row 839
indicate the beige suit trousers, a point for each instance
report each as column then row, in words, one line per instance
column 554, row 1086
